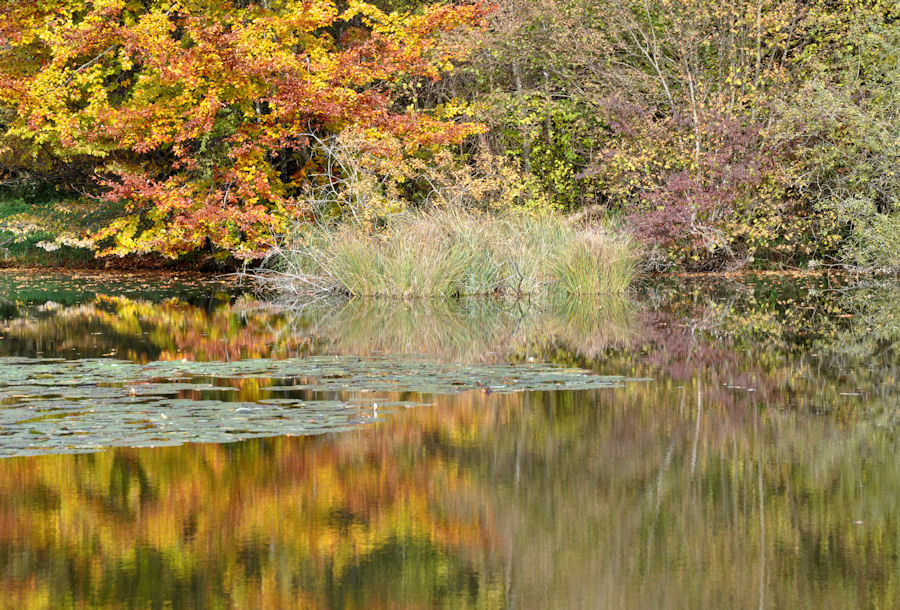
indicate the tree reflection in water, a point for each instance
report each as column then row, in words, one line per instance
column 757, row 469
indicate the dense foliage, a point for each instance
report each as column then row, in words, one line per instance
column 198, row 115
column 453, row 254
column 722, row 133
column 756, row 132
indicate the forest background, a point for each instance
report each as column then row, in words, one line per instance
column 718, row 135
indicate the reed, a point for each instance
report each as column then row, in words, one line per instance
column 453, row 253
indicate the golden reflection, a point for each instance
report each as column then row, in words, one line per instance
column 487, row 331
column 757, row 469
column 644, row 495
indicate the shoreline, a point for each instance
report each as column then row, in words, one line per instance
column 174, row 271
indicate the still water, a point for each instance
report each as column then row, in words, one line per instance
column 703, row 443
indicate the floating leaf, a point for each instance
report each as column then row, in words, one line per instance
column 55, row 405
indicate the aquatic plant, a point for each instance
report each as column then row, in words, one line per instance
column 448, row 252
column 62, row 406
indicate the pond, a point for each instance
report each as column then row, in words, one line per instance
column 707, row 442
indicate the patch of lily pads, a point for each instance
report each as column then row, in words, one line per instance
column 73, row 406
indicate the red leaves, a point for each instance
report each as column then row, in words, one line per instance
column 209, row 101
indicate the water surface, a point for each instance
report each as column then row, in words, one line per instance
column 738, row 448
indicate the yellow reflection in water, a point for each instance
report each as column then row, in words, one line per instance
column 645, row 495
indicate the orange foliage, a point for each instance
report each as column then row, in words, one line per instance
column 201, row 112
column 213, row 514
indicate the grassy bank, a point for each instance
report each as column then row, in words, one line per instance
column 45, row 234
column 452, row 253
column 54, row 233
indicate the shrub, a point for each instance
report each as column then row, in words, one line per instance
column 869, row 239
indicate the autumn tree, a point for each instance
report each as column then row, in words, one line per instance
column 198, row 116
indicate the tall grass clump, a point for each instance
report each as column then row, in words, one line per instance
column 452, row 252
column 594, row 263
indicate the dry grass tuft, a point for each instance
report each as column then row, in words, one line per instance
column 450, row 252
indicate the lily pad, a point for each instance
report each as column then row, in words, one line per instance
column 55, row 405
